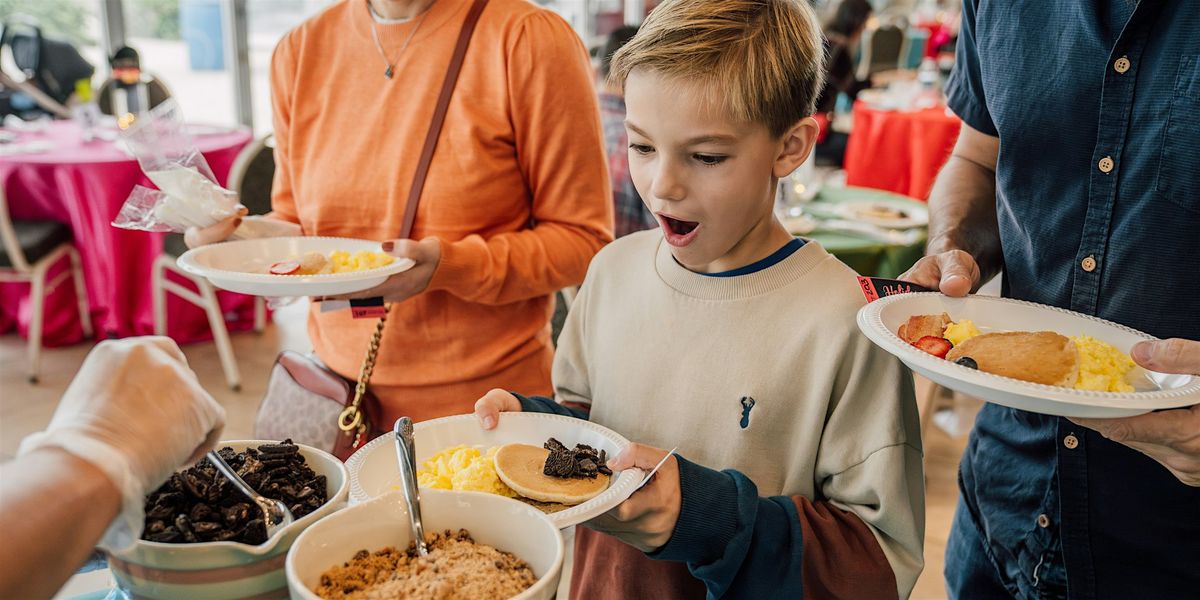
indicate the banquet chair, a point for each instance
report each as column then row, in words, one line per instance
column 156, row 89
column 881, row 50
column 29, row 249
column 562, row 305
column 250, row 176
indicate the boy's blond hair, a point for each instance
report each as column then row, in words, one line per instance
column 762, row 59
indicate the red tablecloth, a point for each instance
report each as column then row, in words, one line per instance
column 897, row 151
column 84, row 186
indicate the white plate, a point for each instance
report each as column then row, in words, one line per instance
column 374, row 471
column 912, row 215
column 240, row 266
column 880, row 319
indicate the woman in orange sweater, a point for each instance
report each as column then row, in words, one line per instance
column 516, row 203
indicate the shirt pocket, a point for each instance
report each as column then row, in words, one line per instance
column 1178, row 175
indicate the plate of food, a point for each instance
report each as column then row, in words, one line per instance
column 892, row 214
column 551, row 462
column 294, row 266
column 1024, row 355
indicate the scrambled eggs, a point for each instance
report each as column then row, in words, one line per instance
column 463, row 468
column 341, row 261
column 1102, row 367
column 961, row 331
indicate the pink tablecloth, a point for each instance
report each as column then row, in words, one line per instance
column 84, row 186
column 897, row 151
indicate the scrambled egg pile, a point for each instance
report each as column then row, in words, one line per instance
column 961, row 331
column 463, row 468
column 341, row 261
column 1102, row 367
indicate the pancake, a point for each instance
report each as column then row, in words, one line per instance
column 1035, row 356
column 520, row 466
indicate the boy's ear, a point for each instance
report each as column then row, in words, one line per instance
column 797, row 144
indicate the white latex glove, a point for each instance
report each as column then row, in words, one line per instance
column 137, row 412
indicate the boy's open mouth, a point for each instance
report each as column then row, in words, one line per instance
column 678, row 226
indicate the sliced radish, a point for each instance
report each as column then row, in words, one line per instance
column 285, row 267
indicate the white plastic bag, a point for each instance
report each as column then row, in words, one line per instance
column 188, row 194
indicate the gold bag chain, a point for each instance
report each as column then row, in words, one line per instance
column 351, row 418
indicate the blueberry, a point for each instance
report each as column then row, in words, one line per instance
column 967, row 362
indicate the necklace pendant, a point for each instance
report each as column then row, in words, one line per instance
column 388, row 72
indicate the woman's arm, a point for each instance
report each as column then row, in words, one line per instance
column 560, row 150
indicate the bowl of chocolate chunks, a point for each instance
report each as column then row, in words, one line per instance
column 204, row 539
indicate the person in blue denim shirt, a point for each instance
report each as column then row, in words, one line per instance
column 1076, row 175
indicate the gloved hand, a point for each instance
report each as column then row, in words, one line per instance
column 137, row 412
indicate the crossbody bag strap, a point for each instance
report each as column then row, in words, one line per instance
column 439, row 116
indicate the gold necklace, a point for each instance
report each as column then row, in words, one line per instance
column 390, row 71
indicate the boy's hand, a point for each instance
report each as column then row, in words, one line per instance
column 489, row 407
column 647, row 519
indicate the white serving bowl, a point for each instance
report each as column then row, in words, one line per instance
column 226, row 570
column 502, row 523
column 880, row 320
column 241, row 266
column 374, row 470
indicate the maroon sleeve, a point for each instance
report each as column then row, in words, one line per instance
column 842, row 559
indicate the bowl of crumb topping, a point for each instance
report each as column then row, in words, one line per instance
column 482, row 547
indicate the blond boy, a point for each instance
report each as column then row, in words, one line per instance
column 723, row 335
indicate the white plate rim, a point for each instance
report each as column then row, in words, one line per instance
column 187, row 262
column 617, row 492
column 870, row 322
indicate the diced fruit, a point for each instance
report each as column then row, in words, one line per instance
column 936, row 346
column 967, row 362
column 285, row 267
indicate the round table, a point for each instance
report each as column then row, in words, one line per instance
column 84, row 185
column 899, row 151
column 868, row 257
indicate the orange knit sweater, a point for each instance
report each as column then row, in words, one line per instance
column 521, row 141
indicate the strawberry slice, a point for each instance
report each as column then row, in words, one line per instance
column 285, row 267
column 936, row 346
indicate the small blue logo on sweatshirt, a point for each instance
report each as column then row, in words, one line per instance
column 747, row 404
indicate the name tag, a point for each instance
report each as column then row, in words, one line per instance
column 875, row 288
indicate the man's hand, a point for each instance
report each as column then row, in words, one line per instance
column 427, row 253
column 955, row 273
column 647, row 519
column 1171, row 437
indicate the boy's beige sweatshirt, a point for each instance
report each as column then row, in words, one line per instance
column 666, row 357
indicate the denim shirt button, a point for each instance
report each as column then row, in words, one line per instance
column 1043, row 521
column 1089, row 264
column 1071, row 442
column 1106, row 164
column 1122, row 65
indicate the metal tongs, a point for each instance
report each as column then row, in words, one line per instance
column 406, row 455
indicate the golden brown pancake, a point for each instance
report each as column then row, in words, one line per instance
column 520, row 466
column 1035, row 356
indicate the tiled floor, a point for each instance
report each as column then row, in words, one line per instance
column 25, row 408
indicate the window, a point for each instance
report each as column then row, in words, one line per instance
column 76, row 22
column 267, row 22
